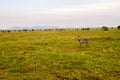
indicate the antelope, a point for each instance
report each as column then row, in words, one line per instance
column 83, row 41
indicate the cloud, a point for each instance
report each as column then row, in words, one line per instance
column 99, row 8
column 95, row 13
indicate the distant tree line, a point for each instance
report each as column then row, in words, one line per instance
column 105, row 28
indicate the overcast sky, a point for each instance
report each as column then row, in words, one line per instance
column 66, row 13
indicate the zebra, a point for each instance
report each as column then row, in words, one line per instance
column 83, row 41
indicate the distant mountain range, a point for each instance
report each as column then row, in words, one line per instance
column 35, row 27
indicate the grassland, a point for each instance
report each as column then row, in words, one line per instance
column 57, row 55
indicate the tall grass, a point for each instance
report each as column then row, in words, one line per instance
column 57, row 55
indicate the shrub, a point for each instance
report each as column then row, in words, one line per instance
column 104, row 28
column 86, row 28
column 118, row 27
column 25, row 30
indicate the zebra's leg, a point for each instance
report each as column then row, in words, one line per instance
column 80, row 44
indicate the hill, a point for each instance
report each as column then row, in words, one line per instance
column 35, row 27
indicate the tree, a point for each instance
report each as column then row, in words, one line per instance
column 118, row 27
column 104, row 28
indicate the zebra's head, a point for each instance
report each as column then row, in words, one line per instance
column 79, row 38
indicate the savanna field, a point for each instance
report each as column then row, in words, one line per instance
column 57, row 55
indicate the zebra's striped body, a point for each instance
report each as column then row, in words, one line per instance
column 83, row 41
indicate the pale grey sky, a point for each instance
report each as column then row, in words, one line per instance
column 66, row 13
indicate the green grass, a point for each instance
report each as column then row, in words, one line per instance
column 57, row 55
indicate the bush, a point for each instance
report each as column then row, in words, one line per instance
column 104, row 28
column 86, row 28
column 118, row 27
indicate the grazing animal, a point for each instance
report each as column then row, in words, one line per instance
column 83, row 41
